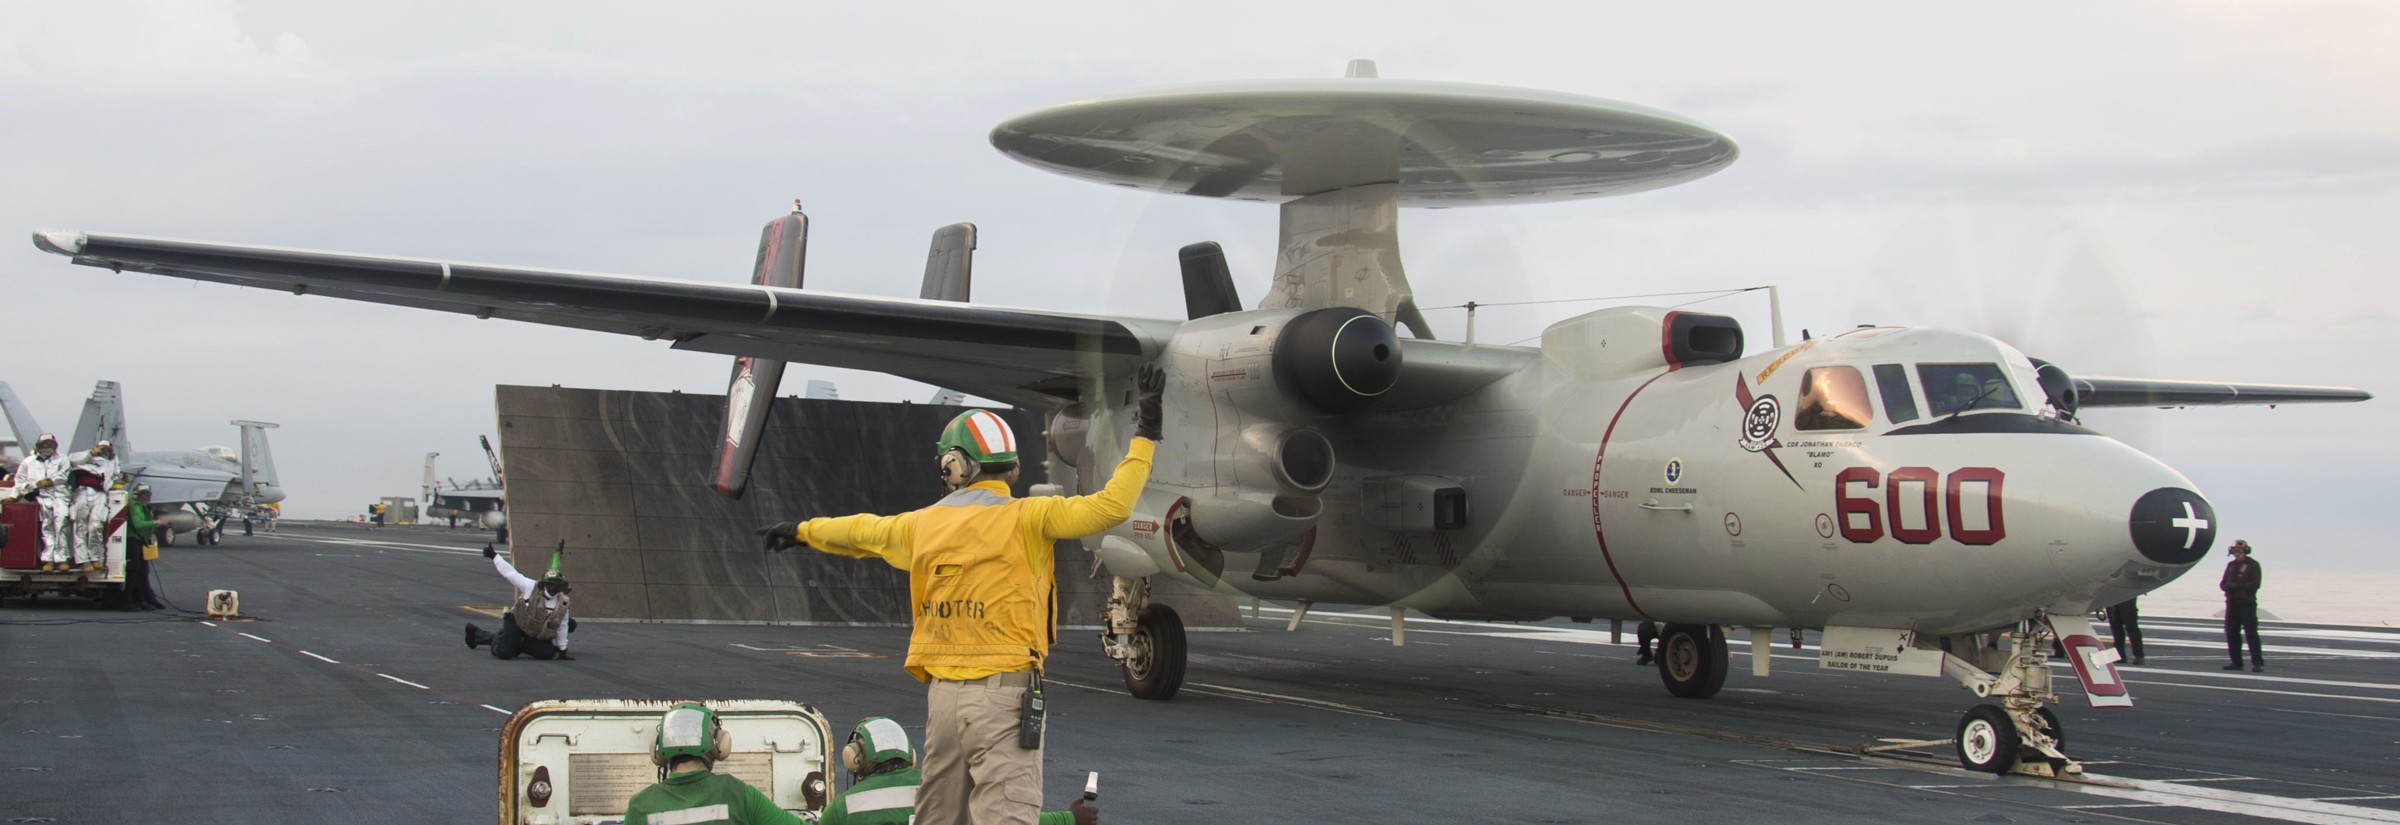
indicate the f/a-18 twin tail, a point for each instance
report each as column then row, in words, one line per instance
column 1912, row 493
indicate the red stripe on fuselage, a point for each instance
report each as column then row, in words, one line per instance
column 1598, row 459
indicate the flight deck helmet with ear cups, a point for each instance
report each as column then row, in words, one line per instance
column 981, row 439
column 873, row 742
column 689, row 730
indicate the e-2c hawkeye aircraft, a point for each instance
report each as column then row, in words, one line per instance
column 1912, row 493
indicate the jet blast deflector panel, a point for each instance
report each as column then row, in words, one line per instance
column 625, row 477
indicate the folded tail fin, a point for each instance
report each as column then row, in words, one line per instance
column 782, row 258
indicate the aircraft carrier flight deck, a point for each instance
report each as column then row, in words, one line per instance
column 349, row 696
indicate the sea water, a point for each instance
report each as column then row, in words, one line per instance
column 2369, row 598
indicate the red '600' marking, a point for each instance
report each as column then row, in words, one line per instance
column 1916, row 512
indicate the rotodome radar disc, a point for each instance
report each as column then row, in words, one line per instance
column 1444, row 144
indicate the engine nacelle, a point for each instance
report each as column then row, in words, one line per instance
column 1291, row 364
column 493, row 519
column 1248, row 396
column 1337, row 359
column 1069, row 435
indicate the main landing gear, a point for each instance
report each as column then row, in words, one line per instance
column 1146, row 639
column 2018, row 734
column 1692, row 659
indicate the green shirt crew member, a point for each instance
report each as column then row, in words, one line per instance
column 885, row 781
column 688, row 745
column 141, row 548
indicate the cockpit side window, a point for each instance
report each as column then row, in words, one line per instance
column 1950, row 388
column 1833, row 398
column 1892, row 381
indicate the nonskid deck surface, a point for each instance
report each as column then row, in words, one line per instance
column 352, row 697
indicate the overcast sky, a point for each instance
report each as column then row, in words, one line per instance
column 2191, row 190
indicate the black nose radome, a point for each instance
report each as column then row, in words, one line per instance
column 2172, row 525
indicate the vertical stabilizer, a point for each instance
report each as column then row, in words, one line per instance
column 949, row 276
column 821, row 390
column 103, row 418
column 258, row 465
column 782, row 260
column 22, row 429
column 1207, row 281
column 950, row 264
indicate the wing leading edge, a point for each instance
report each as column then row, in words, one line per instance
column 1020, row 356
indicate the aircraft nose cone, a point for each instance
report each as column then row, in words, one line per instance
column 2172, row 525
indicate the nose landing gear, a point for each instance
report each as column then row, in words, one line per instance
column 2019, row 734
column 1146, row 640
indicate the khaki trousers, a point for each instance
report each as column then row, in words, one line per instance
column 974, row 772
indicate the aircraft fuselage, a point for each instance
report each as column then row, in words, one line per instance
column 1880, row 478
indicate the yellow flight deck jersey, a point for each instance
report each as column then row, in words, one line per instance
column 980, row 582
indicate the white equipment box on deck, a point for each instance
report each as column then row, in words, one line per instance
column 579, row 761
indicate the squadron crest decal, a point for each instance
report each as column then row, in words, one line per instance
column 1761, row 417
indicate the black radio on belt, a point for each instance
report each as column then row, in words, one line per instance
column 1029, row 716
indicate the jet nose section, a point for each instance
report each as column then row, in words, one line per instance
column 2172, row 525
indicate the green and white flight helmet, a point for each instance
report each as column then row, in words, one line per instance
column 874, row 741
column 690, row 730
column 983, row 436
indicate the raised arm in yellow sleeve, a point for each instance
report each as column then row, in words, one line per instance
column 862, row 536
column 1080, row 516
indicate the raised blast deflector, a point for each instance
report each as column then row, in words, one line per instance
column 782, row 258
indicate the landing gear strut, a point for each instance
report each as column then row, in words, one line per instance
column 1146, row 639
column 2019, row 733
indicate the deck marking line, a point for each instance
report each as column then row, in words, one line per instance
column 2221, row 800
column 403, row 681
column 318, row 658
column 268, row 641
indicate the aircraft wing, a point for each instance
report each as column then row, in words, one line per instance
column 170, row 484
column 1027, row 357
column 2100, row 391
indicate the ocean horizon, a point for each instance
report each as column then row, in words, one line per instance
column 2369, row 598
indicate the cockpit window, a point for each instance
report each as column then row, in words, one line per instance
column 1833, row 398
column 1950, row 388
column 1898, row 404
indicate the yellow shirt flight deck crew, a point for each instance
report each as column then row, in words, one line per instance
column 968, row 557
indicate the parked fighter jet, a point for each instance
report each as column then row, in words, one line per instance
column 193, row 491
column 1908, row 491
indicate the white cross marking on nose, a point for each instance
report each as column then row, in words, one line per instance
column 2191, row 523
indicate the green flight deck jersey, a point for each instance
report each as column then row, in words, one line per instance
column 890, row 798
column 704, row 798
